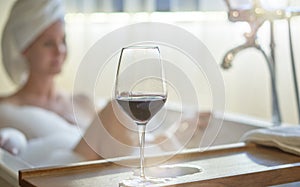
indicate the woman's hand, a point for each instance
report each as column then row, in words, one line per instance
column 12, row 140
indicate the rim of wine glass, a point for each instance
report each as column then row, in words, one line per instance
column 150, row 46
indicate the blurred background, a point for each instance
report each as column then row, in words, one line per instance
column 247, row 82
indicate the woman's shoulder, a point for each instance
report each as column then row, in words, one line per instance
column 5, row 99
column 8, row 105
column 8, row 100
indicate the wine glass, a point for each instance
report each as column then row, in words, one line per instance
column 140, row 90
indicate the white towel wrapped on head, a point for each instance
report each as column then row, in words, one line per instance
column 27, row 20
column 286, row 138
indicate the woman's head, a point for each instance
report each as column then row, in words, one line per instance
column 47, row 53
column 27, row 23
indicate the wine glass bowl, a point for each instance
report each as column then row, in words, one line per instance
column 140, row 91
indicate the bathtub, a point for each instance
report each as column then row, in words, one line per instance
column 233, row 127
column 9, row 167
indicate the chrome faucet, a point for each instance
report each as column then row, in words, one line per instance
column 255, row 17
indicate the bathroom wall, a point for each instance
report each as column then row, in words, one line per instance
column 247, row 83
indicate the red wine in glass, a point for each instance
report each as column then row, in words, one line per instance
column 141, row 108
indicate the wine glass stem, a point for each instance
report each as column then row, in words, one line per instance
column 141, row 128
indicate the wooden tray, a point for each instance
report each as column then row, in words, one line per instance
column 231, row 165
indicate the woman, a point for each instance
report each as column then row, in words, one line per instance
column 34, row 51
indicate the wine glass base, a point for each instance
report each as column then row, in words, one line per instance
column 140, row 181
column 161, row 175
